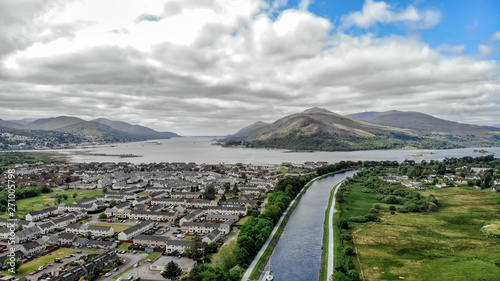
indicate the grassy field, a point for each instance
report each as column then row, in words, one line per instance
column 29, row 267
column 11, row 159
column 123, row 246
column 116, row 227
column 446, row 245
column 46, row 200
column 242, row 221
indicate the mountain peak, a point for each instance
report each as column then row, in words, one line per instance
column 314, row 110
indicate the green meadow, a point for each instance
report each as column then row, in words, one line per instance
column 459, row 242
column 46, row 200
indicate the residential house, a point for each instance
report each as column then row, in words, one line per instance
column 178, row 246
column 38, row 215
column 153, row 216
column 151, row 240
column 66, row 238
column 186, row 195
column 32, row 249
column 46, row 227
column 129, row 234
column 205, row 227
column 193, row 215
column 227, row 210
column 212, row 236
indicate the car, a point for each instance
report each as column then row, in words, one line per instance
column 107, row 274
column 58, row 260
column 116, row 269
column 119, row 279
column 136, row 265
column 79, row 252
column 175, row 232
column 67, row 256
column 131, row 277
column 173, row 225
column 134, row 252
column 72, row 255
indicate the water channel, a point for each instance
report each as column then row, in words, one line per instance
column 297, row 256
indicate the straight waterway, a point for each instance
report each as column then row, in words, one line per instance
column 297, row 256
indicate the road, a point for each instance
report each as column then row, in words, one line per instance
column 331, row 240
column 130, row 260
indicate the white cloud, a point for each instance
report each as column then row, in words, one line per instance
column 304, row 4
column 495, row 37
column 453, row 49
column 381, row 12
column 205, row 68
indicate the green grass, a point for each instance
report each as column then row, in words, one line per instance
column 242, row 221
column 123, row 246
column 30, row 266
column 116, row 227
column 447, row 245
column 11, row 159
column 46, row 200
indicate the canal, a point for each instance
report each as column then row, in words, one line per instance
column 297, row 256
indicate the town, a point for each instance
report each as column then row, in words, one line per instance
column 147, row 215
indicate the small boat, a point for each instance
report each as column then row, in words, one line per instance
column 269, row 276
column 152, row 142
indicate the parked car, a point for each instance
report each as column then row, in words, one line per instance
column 107, row 274
column 79, row 252
column 72, row 255
column 134, row 252
column 136, row 265
column 116, row 269
column 58, row 260
column 119, row 279
column 131, row 277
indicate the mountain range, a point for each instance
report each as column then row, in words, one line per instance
column 97, row 129
column 321, row 129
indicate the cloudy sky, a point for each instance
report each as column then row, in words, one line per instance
column 210, row 67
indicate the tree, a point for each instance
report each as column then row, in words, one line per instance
column 104, row 190
column 172, row 271
column 75, row 195
column 235, row 190
column 209, row 192
column 12, row 266
column 103, row 216
column 112, row 203
column 228, row 256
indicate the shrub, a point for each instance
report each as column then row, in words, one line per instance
column 373, row 210
column 377, row 206
column 348, row 250
column 354, row 275
column 403, row 210
column 371, row 217
column 392, row 208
